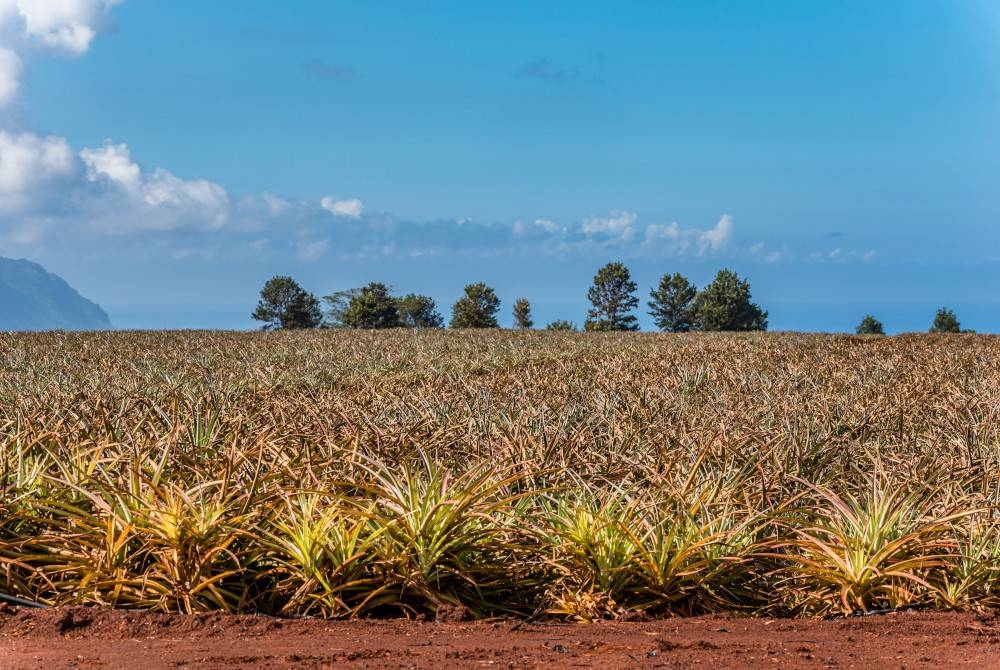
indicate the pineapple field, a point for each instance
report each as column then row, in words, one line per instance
column 538, row 475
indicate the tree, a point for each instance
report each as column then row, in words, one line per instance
column 522, row 314
column 477, row 308
column 284, row 304
column 561, row 325
column 371, row 307
column 613, row 298
column 418, row 311
column 337, row 305
column 725, row 305
column 870, row 326
column 670, row 304
column 945, row 321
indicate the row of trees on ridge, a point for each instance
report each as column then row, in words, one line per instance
column 675, row 305
column 945, row 321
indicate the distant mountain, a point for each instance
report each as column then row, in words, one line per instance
column 33, row 299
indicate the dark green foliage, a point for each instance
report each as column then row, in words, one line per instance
column 725, row 305
column 284, row 304
column 371, row 307
column 522, row 314
column 613, row 298
column 477, row 308
column 562, row 325
column 670, row 303
column 870, row 326
column 418, row 311
column 945, row 321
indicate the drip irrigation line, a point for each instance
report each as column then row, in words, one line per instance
column 20, row 602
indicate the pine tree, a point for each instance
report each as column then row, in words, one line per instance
column 725, row 305
column 522, row 314
column 670, row 303
column 870, row 326
column 613, row 298
column 945, row 321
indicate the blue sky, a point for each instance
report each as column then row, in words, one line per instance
column 168, row 157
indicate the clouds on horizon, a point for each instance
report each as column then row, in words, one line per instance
column 55, row 196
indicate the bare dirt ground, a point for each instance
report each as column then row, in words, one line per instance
column 94, row 638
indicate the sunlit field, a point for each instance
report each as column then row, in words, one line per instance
column 578, row 476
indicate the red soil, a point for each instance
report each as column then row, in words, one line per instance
column 95, row 638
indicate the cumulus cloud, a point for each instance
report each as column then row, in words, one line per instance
column 113, row 162
column 164, row 200
column 10, row 75
column 67, row 26
column 351, row 209
column 27, row 163
column 662, row 231
column 717, row 237
column 618, row 224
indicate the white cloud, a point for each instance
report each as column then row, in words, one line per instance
column 547, row 225
column 275, row 205
column 617, row 224
column 113, row 161
column 67, row 26
column 351, row 209
column 662, row 231
column 717, row 237
column 168, row 201
column 27, row 162
column 841, row 255
column 10, row 75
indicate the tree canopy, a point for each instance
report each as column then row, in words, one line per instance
column 612, row 297
column 284, row 304
column 945, row 321
column 725, row 305
column 370, row 307
column 477, row 308
column 562, row 325
column 870, row 326
column 418, row 311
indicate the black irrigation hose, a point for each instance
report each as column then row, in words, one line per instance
column 20, row 602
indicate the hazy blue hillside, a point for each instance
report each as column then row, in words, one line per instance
column 33, row 299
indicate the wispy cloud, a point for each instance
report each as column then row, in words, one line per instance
column 543, row 69
column 321, row 69
column 314, row 250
